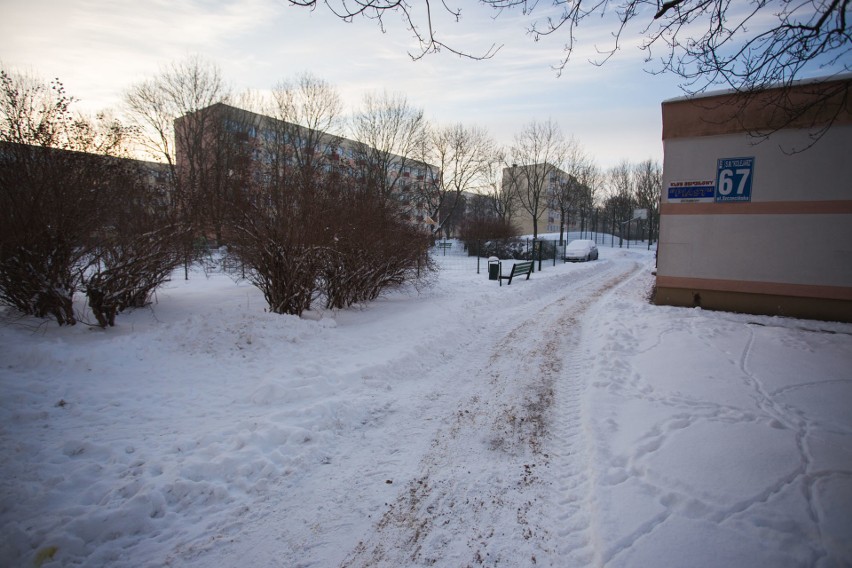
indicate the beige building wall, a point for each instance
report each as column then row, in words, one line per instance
column 787, row 251
column 548, row 220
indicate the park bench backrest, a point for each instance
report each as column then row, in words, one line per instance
column 518, row 269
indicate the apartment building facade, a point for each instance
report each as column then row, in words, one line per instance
column 268, row 144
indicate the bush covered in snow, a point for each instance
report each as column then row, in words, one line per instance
column 74, row 215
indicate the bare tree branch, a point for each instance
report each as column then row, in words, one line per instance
column 348, row 10
column 746, row 47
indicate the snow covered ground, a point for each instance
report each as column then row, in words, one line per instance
column 560, row 421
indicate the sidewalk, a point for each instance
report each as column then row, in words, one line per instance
column 722, row 439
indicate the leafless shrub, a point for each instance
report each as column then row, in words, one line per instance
column 303, row 223
column 329, row 241
column 285, row 272
column 49, row 201
column 75, row 213
column 476, row 232
column 387, row 259
column 274, row 232
column 487, row 228
column 129, row 268
column 370, row 250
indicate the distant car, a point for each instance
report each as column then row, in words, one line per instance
column 581, row 249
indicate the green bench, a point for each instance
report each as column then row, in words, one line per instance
column 518, row 269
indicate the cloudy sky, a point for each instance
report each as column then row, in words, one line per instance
column 98, row 48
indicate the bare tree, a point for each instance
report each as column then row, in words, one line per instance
column 281, row 211
column 537, row 155
column 590, row 180
column 502, row 191
column 390, row 138
column 309, row 111
column 304, row 224
column 562, row 200
column 413, row 14
column 373, row 243
column 648, row 181
column 569, row 191
column 172, row 111
column 478, row 206
column 461, row 155
column 273, row 212
column 489, row 213
column 621, row 199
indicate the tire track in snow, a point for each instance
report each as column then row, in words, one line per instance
column 577, row 544
column 505, row 481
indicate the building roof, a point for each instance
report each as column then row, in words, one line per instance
column 807, row 104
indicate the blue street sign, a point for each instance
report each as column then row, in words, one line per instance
column 691, row 192
column 733, row 179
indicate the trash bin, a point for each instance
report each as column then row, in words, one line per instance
column 493, row 268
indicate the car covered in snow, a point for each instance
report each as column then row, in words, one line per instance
column 581, row 249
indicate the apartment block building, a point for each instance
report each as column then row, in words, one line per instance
column 268, row 142
column 67, row 165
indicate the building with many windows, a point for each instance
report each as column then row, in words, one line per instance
column 218, row 142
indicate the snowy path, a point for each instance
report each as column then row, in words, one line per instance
column 505, row 477
column 473, row 465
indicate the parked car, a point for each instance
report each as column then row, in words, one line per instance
column 581, row 249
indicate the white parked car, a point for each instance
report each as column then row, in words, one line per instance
column 581, row 249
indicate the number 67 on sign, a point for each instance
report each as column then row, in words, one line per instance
column 733, row 179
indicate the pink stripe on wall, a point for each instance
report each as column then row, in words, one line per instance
column 752, row 287
column 835, row 207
